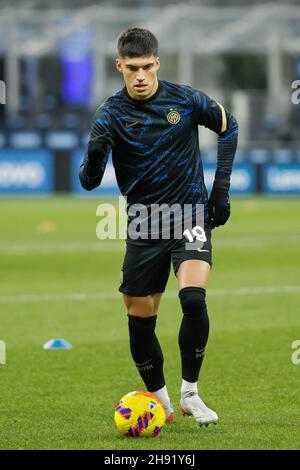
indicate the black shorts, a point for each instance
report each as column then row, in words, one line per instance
column 147, row 263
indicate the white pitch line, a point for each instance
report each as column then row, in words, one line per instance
column 81, row 296
column 21, row 248
column 45, row 249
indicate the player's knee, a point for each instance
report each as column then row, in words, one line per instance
column 139, row 306
column 193, row 302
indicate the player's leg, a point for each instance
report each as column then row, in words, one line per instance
column 194, row 329
column 145, row 274
column 144, row 345
column 193, row 335
column 192, row 265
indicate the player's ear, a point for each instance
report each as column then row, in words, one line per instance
column 158, row 63
column 118, row 65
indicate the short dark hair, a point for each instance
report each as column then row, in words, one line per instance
column 137, row 42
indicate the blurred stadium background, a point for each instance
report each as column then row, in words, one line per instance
column 58, row 280
column 58, row 64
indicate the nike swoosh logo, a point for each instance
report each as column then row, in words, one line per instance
column 131, row 124
column 199, row 249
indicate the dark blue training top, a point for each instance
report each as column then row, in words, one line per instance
column 155, row 150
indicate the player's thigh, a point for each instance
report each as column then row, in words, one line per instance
column 193, row 273
column 156, row 302
column 191, row 263
column 145, row 269
column 142, row 306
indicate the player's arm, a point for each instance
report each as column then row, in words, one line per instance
column 94, row 162
column 213, row 116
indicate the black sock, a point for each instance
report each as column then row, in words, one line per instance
column 193, row 333
column 146, row 351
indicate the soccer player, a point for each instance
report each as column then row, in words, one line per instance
column 151, row 126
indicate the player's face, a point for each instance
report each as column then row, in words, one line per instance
column 140, row 75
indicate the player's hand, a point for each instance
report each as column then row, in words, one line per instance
column 98, row 148
column 218, row 207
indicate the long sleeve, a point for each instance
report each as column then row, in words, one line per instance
column 227, row 144
column 94, row 162
column 212, row 115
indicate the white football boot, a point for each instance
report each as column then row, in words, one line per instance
column 191, row 404
column 169, row 414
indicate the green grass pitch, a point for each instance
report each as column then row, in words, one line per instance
column 58, row 280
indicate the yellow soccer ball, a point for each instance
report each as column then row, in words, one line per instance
column 139, row 413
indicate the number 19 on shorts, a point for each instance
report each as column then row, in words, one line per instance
column 197, row 234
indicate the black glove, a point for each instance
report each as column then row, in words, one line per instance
column 97, row 151
column 218, row 207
